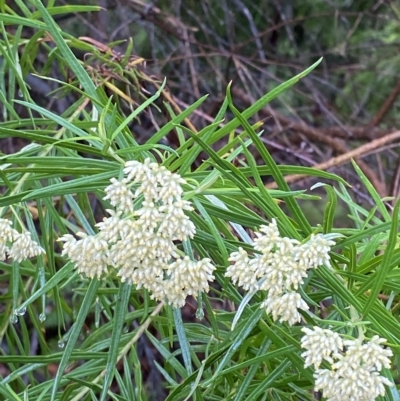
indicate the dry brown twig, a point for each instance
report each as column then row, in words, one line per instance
column 314, row 135
column 386, row 106
column 336, row 161
column 336, row 145
column 379, row 116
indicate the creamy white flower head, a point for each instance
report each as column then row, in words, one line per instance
column 375, row 356
column 139, row 245
column 142, row 257
column 268, row 237
column 241, row 272
column 272, row 275
column 114, row 228
column 294, row 275
column 315, row 252
column 187, row 277
column 133, row 169
column 162, row 208
column 245, row 271
column 149, row 189
column 357, row 384
column 174, row 222
column 171, row 186
column 138, row 239
column 89, row 254
column 280, row 269
column 149, row 215
column 120, row 195
column 7, row 234
column 4, row 249
column 354, row 374
column 320, row 344
column 285, row 307
column 137, row 172
column 285, row 259
column 24, row 247
column 371, row 354
column 147, row 273
column 146, row 174
column 157, row 183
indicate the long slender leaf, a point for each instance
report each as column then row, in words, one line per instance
column 74, row 334
column 120, row 311
column 387, row 257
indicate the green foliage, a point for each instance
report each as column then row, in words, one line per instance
column 80, row 339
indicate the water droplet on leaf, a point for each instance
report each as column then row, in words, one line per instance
column 20, row 311
column 61, row 344
column 42, row 317
column 14, row 318
column 200, row 313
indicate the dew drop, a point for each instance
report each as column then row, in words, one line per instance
column 200, row 313
column 14, row 318
column 61, row 343
column 20, row 94
column 42, row 317
column 20, row 311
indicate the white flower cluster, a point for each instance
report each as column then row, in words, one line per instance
column 15, row 245
column 138, row 239
column 280, row 269
column 354, row 374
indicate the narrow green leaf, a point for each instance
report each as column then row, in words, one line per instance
column 74, row 334
column 239, row 336
column 69, row 57
column 63, row 273
column 297, row 213
column 43, row 138
column 66, row 10
column 283, row 219
column 330, row 209
column 213, row 229
column 21, row 21
column 138, row 110
column 9, row 393
column 183, row 342
column 269, row 381
column 262, row 102
column 262, row 356
column 372, row 191
column 271, row 209
column 59, row 120
column 169, row 358
column 178, row 119
column 21, row 4
column 118, row 321
column 387, row 257
column 365, row 234
column 72, row 186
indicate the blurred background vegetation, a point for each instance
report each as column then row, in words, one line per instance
column 350, row 100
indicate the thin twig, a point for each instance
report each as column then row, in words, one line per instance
column 315, row 135
column 336, row 161
column 386, row 106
